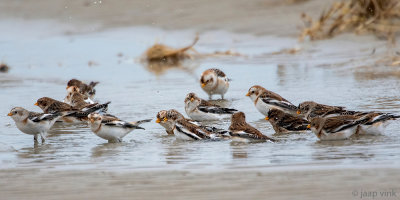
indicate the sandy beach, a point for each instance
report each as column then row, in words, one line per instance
column 253, row 184
column 51, row 41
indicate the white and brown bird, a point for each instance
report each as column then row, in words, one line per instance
column 214, row 81
column 169, row 125
column 49, row 105
column 74, row 96
column 33, row 123
column 286, row 123
column 311, row 109
column 86, row 89
column 240, row 128
column 184, row 129
column 264, row 100
column 111, row 128
column 374, row 123
column 335, row 128
column 201, row 110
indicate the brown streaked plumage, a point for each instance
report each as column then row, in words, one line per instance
column 239, row 124
column 310, row 109
column 85, row 89
column 285, row 123
column 49, row 105
column 334, row 128
column 185, row 129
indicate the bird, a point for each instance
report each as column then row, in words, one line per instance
column 214, row 81
column 286, row 123
column 169, row 125
column 374, row 123
column 73, row 92
column 201, row 110
column 311, row 109
column 111, row 128
column 184, row 129
column 264, row 100
column 49, row 105
column 86, row 89
column 240, row 128
column 335, row 128
column 33, row 123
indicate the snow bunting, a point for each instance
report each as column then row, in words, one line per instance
column 49, row 105
column 335, row 128
column 169, row 125
column 214, row 81
column 311, row 109
column 74, row 92
column 286, row 123
column 202, row 110
column 374, row 123
column 264, row 100
column 111, row 128
column 85, row 89
column 183, row 129
column 33, row 123
column 240, row 128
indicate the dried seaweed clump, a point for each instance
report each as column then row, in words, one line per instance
column 381, row 17
column 4, row 68
column 165, row 54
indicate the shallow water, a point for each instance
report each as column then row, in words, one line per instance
column 43, row 62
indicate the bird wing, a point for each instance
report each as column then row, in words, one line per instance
column 183, row 129
column 216, row 110
column 122, row 124
column 38, row 117
column 279, row 103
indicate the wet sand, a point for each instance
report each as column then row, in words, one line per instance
column 241, row 184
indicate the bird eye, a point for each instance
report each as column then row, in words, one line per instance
column 15, row 112
column 252, row 92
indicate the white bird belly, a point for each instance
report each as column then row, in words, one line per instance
column 202, row 116
column 112, row 133
column 262, row 107
column 342, row 135
column 181, row 136
column 374, row 129
column 32, row 128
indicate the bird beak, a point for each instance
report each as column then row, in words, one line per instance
column 248, row 94
column 165, row 119
column 192, row 99
column 309, row 126
column 91, row 120
column 203, row 85
column 298, row 112
column 9, row 114
column 158, row 120
column 267, row 118
column 36, row 104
